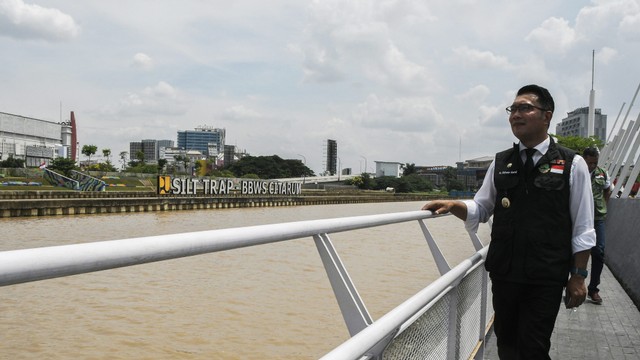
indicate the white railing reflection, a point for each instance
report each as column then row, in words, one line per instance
column 458, row 300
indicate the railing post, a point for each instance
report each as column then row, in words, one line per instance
column 441, row 262
column 453, row 335
column 484, row 295
column 353, row 310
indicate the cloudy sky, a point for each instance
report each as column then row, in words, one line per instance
column 408, row 81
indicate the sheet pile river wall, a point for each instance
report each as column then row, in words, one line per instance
column 46, row 203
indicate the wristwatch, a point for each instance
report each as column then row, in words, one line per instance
column 582, row 272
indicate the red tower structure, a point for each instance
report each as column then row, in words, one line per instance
column 74, row 138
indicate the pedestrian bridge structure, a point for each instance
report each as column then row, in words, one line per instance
column 319, row 179
column 448, row 319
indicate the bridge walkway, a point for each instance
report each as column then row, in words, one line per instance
column 598, row 332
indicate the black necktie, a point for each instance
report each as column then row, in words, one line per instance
column 528, row 165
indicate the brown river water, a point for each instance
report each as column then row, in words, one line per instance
column 264, row 302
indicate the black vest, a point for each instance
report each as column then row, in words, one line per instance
column 532, row 228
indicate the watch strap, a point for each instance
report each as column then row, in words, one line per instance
column 579, row 271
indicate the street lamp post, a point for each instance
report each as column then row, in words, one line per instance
column 365, row 163
column 339, row 167
column 304, row 161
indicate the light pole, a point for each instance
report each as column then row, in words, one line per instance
column 339, row 167
column 365, row 163
column 304, row 161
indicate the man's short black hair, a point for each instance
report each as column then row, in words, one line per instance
column 544, row 97
column 591, row 151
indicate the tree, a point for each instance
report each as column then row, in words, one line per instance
column 88, row 151
column 269, row 167
column 62, row 165
column 408, row 169
column 222, row 173
column 123, row 158
column 418, row 183
column 104, row 167
column 455, row 184
column 12, row 162
column 186, row 161
column 140, row 156
column 405, row 184
column 107, row 153
column 161, row 165
column 451, row 178
column 364, row 181
column 577, row 143
column 143, row 168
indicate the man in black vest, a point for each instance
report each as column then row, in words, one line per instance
column 539, row 194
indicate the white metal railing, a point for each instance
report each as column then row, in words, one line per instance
column 620, row 155
column 459, row 299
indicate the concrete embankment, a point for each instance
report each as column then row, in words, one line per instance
column 48, row 203
column 622, row 250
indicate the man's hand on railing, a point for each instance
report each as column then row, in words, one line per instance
column 456, row 207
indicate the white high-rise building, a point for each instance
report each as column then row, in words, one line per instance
column 575, row 124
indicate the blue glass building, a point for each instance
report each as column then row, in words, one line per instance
column 208, row 140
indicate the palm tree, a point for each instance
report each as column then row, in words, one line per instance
column 107, row 153
column 123, row 159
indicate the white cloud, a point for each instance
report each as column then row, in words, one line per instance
column 630, row 26
column 393, row 80
column 491, row 116
column 155, row 100
column 241, row 113
column 162, row 90
column 554, row 35
column 20, row 20
column 481, row 59
column 477, row 94
column 397, row 114
column 351, row 40
column 142, row 61
column 604, row 19
column 606, row 55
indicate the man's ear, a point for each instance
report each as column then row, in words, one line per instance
column 547, row 118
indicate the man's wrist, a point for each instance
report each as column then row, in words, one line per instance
column 579, row 271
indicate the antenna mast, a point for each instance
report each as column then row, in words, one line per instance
column 592, row 99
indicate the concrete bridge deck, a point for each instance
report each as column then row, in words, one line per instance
column 598, row 332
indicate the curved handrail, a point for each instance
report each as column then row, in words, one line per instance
column 20, row 266
column 368, row 338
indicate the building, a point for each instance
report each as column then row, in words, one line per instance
column 471, row 173
column 385, row 168
column 435, row 174
column 150, row 148
column 180, row 159
column 36, row 141
column 229, row 154
column 575, row 124
column 208, row 140
column 165, row 144
column 332, row 157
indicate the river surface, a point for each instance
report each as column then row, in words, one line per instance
column 264, row 302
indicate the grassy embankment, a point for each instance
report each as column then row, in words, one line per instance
column 34, row 183
column 132, row 183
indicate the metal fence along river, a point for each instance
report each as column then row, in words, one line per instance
column 272, row 301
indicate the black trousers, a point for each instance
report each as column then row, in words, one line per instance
column 525, row 315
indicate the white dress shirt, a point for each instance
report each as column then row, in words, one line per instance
column 480, row 209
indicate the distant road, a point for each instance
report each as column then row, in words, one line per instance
column 313, row 179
